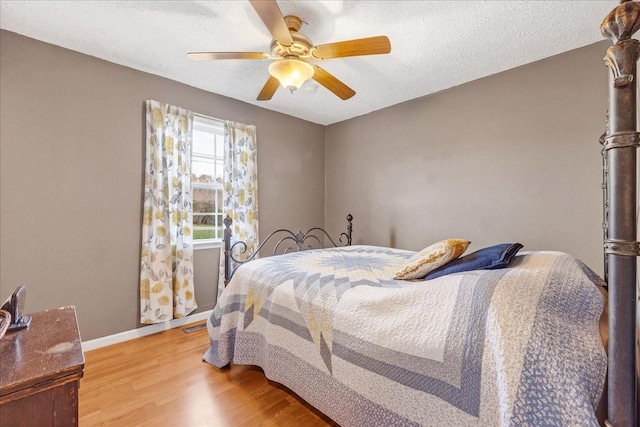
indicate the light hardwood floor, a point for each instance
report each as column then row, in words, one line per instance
column 161, row 380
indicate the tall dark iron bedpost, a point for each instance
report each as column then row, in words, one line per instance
column 621, row 246
column 227, row 221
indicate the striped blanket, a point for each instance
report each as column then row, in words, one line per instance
column 513, row 347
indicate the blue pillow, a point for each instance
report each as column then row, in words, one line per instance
column 490, row 258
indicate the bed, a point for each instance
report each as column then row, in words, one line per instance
column 515, row 346
column 498, row 347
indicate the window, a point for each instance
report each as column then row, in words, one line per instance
column 207, row 168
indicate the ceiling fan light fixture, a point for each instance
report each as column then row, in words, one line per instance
column 291, row 50
column 291, row 73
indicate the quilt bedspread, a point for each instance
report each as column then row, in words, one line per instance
column 513, row 347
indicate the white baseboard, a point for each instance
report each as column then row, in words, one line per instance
column 143, row 331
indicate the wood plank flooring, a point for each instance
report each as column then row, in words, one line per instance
column 161, row 380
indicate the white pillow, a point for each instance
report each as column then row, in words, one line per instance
column 432, row 257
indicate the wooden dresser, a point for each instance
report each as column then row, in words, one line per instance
column 40, row 371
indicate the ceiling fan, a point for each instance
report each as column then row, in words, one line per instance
column 291, row 52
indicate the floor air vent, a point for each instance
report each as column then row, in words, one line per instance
column 195, row 328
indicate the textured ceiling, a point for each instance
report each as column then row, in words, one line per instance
column 435, row 44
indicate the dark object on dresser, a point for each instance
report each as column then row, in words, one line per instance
column 14, row 305
column 41, row 371
column 5, row 320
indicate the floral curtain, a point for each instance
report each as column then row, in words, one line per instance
column 166, row 273
column 240, row 188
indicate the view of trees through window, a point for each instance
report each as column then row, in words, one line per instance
column 207, row 167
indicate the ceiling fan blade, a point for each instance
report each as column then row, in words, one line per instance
column 368, row 46
column 327, row 80
column 208, row 56
column 269, row 89
column 270, row 14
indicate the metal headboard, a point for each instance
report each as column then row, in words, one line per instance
column 620, row 143
column 299, row 240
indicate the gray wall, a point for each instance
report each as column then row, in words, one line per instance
column 511, row 157
column 71, row 159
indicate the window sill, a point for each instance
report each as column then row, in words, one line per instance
column 206, row 245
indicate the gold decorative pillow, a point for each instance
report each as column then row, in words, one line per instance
column 432, row 257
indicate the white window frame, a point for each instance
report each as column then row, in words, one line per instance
column 216, row 127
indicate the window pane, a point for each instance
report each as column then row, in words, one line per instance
column 207, row 168
column 203, row 200
column 219, row 206
column 204, row 226
column 202, row 170
column 219, row 172
column 204, row 233
column 219, row 146
column 203, row 142
column 204, row 220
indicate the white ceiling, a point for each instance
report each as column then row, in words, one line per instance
column 435, row 44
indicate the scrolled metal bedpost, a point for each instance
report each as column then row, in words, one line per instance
column 227, row 249
column 349, row 232
column 621, row 247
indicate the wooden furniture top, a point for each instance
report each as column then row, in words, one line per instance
column 48, row 349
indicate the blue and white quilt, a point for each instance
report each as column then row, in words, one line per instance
column 513, row 347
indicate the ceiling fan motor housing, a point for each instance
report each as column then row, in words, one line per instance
column 301, row 46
